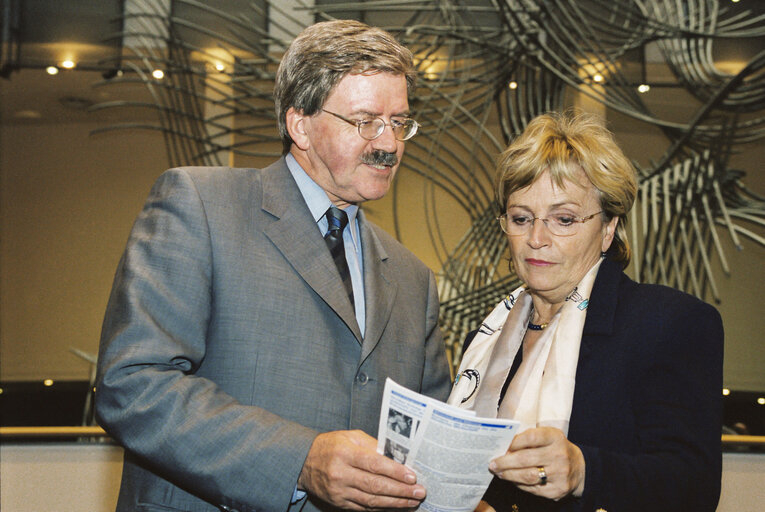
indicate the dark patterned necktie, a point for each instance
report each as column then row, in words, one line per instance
column 337, row 219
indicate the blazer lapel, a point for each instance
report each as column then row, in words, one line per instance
column 294, row 233
column 602, row 308
column 379, row 285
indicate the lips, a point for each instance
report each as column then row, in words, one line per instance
column 538, row 263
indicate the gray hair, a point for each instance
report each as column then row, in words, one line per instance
column 323, row 54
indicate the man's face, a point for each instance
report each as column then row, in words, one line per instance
column 333, row 153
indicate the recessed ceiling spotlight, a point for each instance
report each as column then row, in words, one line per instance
column 68, row 64
column 51, row 70
column 220, row 66
column 513, row 84
column 643, row 88
column 158, row 74
column 598, row 77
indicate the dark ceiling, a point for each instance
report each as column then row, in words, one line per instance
column 38, row 33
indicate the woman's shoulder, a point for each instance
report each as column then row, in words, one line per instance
column 663, row 300
column 668, row 321
column 616, row 287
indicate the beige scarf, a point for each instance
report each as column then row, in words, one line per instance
column 542, row 392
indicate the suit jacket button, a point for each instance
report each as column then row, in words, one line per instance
column 362, row 378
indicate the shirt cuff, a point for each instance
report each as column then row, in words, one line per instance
column 297, row 495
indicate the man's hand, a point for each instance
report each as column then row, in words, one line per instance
column 343, row 468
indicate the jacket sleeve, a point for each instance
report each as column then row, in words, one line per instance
column 181, row 426
column 436, row 379
column 677, row 407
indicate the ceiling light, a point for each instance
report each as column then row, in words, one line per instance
column 726, row 391
column 220, row 66
column 48, row 382
column 643, row 88
column 513, row 84
column 598, row 77
column 51, row 70
column 761, row 401
column 158, row 74
column 68, row 64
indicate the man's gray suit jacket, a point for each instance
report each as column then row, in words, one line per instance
column 229, row 342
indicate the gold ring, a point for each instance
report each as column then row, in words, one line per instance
column 542, row 475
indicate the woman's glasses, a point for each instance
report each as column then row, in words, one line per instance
column 560, row 224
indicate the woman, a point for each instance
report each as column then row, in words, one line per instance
column 616, row 384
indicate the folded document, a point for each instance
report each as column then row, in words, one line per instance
column 449, row 448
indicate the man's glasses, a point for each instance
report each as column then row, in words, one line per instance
column 403, row 128
column 560, row 224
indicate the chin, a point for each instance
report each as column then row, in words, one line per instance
column 375, row 192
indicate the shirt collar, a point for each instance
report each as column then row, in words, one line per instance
column 317, row 200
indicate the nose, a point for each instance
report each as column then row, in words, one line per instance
column 386, row 141
column 539, row 235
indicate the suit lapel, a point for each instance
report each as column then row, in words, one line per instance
column 294, row 233
column 379, row 286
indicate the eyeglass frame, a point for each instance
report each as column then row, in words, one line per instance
column 579, row 220
column 361, row 122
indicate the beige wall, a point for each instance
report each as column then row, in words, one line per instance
column 68, row 201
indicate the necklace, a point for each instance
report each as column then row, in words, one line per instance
column 536, row 327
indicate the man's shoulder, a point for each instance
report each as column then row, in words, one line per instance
column 214, row 180
column 224, row 174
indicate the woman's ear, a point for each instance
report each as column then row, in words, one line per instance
column 296, row 127
column 609, row 230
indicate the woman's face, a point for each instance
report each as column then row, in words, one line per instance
column 550, row 265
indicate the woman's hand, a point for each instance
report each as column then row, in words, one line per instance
column 542, row 461
column 484, row 507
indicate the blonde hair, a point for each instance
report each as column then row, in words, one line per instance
column 323, row 54
column 561, row 143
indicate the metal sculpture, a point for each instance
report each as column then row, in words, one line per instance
column 487, row 67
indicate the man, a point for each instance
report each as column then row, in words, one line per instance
column 242, row 363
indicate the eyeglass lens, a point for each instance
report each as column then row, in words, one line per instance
column 403, row 129
column 559, row 225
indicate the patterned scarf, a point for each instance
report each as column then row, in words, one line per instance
column 542, row 391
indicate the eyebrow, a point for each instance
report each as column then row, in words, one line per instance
column 556, row 205
column 406, row 113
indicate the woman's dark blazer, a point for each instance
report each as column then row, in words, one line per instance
column 647, row 411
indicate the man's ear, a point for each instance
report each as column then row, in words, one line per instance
column 296, row 127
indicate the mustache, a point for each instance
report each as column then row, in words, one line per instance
column 379, row 157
